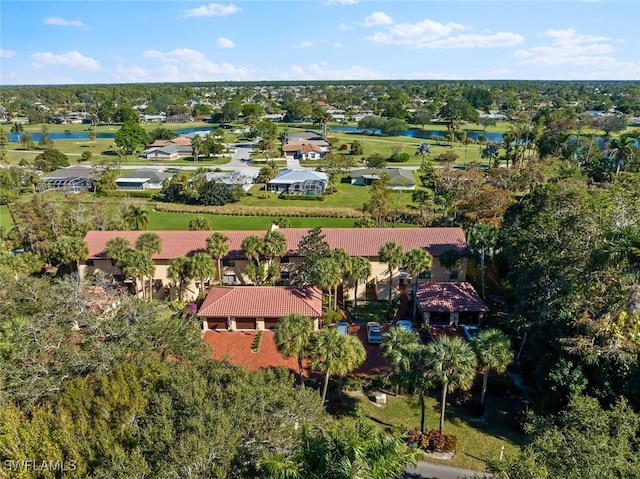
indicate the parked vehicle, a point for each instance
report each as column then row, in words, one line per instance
column 374, row 333
column 405, row 324
column 343, row 328
column 470, row 332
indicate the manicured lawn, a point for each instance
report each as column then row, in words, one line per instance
column 348, row 196
column 478, row 442
column 5, row 219
column 180, row 221
column 370, row 310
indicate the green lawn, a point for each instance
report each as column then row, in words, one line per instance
column 478, row 442
column 180, row 221
column 5, row 219
column 370, row 310
column 348, row 196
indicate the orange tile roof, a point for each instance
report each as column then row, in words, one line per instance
column 355, row 241
column 261, row 302
column 449, row 297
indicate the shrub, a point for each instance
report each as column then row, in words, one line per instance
column 433, row 441
column 255, row 345
column 332, row 316
column 399, row 158
column 286, row 196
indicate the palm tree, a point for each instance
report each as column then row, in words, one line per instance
column 293, row 339
column 180, row 272
column 392, row 254
column 275, row 246
column 17, row 128
column 452, row 364
column 116, row 249
column 493, row 350
column 424, row 149
column 449, row 258
column 335, row 353
column 482, row 140
column 360, row 271
column 202, row 267
column 253, row 247
column 136, row 217
column 138, row 265
column 149, row 243
column 196, row 146
column 327, row 275
column 482, row 242
column 394, row 342
column 409, row 363
column 343, row 260
column 417, row 261
column 621, row 150
column 217, row 247
column 490, row 153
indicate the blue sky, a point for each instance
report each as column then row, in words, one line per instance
column 122, row 41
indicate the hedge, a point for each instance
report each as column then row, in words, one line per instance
column 275, row 211
column 130, row 193
column 285, row 196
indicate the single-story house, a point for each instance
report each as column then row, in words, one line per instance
column 298, row 181
column 169, row 149
column 244, row 177
column 306, row 151
column 258, row 307
column 72, row 179
column 142, row 179
column 365, row 242
column 400, row 179
column 450, row 303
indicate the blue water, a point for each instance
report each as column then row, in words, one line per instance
column 84, row 135
column 418, row 133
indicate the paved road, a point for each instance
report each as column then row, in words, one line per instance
column 427, row 470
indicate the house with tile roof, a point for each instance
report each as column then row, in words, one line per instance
column 142, row 179
column 258, row 307
column 304, row 146
column 450, row 303
column 172, row 149
column 399, row 178
column 365, row 242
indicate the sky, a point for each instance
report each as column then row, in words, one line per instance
column 124, row 41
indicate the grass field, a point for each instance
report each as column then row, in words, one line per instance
column 478, row 442
column 180, row 221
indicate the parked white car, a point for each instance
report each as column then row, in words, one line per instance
column 374, row 332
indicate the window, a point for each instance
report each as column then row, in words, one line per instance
column 453, row 275
column 229, row 279
column 284, row 274
column 229, row 263
column 285, row 259
column 425, row 275
column 89, row 262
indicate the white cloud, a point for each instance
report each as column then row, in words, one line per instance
column 64, row 23
column 305, row 44
column 211, row 10
column 182, row 64
column 501, row 39
column 415, row 33
column 320, row 71
column 337, row 44
column 344, row 27
column 342, row 2
column 70, row 59
column 377, row 18
column 7, row 53
column 224, row 43
column 568, row 47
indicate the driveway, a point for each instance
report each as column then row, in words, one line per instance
column 427, row 470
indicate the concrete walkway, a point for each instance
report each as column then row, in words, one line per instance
column 428, row 470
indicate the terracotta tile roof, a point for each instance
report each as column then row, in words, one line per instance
column 235, row 347
column 356, row 241
column 449, row 297
column 261, row 302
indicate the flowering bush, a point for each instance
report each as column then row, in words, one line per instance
column 433, row 441
column 191, row 309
